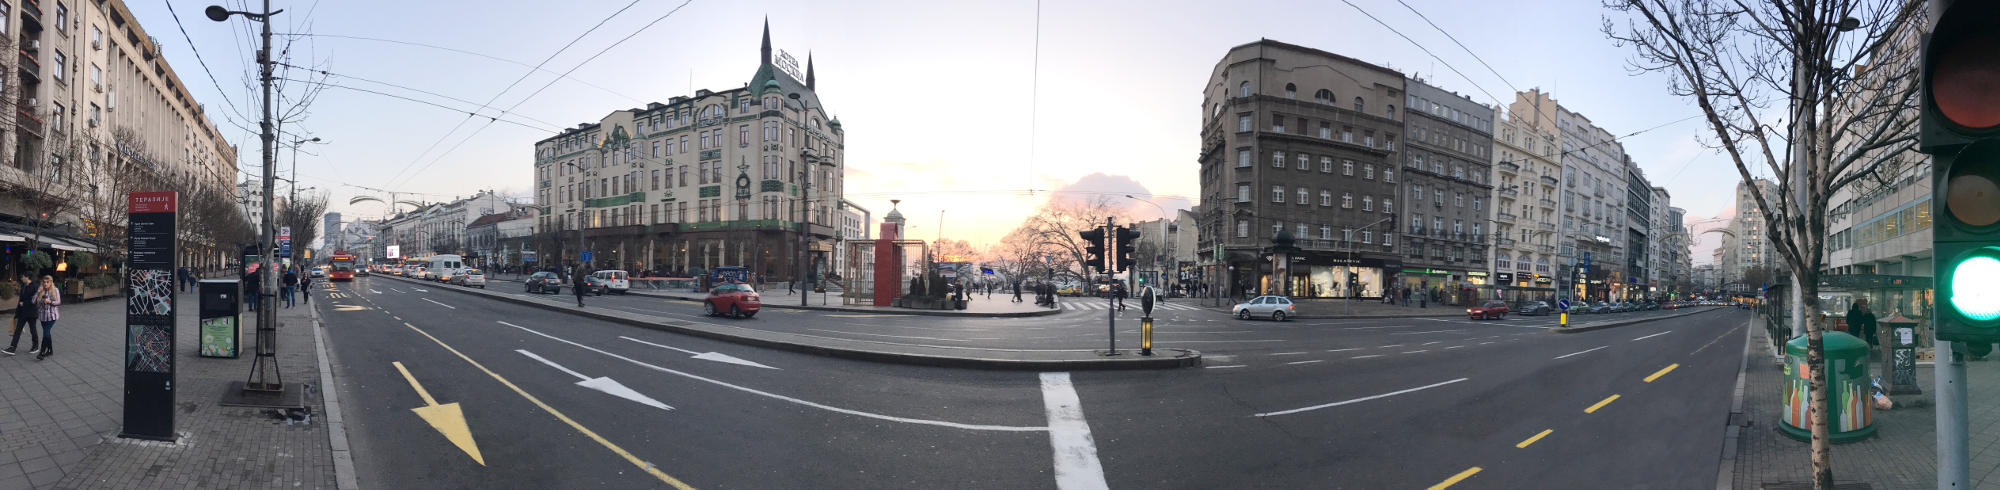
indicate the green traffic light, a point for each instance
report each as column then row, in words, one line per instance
column 1975, row 288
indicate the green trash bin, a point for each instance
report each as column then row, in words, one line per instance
column 1849, row 407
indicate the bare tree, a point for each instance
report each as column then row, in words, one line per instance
column 106, row 180
column 1054, row 226
column 303, row 215
column 1843, row 72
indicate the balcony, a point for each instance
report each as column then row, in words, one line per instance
column 30, row 69
column 1549, row 180
column 31, row 12
column 1506, row 242
column 1508, row 167
column 26, row 121
column 1506, row 218
column 1546, row 226
column 1548, row 203
column 1509, row 193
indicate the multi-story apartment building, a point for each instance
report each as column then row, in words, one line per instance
column 1881, row 225
column 330, row 223
column 88, row 92
column 854, row 224
column 1752, row 244
column 1300, row 145
column 1526, row 175
column 1638, row 234
column 1447, row 169
column 1672, row 263
column 1591, row 236
column 729, row 177
column 440, row 228
column 250, row 197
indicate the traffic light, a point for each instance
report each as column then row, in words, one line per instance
column 1959, row 126
column 1127, row 239
column 1093, row 249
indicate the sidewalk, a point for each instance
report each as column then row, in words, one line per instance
column 1901, row 455
column 67, row 412
column 978, row 305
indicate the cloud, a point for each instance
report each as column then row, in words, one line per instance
column 1114, row 188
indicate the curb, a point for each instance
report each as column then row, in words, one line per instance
column 1180, row 358
column 1020, row 314
column 336, row 422
column 1623, row 323
column 1732, row 434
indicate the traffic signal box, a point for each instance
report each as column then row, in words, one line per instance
column 1093, row 249
column 1127, row 240
column 1959, row 127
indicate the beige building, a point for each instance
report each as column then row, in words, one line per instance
column 87, row 83
column 1526, row 172
column 722, row 178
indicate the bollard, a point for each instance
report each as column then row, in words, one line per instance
column 1564, row 320
column 1145, row 335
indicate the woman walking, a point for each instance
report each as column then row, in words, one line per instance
column 47, row 301
column 25, row 314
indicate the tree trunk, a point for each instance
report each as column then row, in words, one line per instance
column 1822, row 442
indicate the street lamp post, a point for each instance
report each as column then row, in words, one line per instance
column 267, row 315
column 295, row 165
column 805, row 200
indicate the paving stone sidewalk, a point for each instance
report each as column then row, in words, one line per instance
column 1901, row 455
column 66, row 412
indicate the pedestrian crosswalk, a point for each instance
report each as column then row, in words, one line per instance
column 1101, row 305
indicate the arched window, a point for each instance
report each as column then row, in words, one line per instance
column 1358, row 107
column 1324, row 96
column 1243, row 90
column 1291, row 91
column 1391, row 113
column 1501, row 259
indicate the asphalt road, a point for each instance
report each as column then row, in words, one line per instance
column 1382, row 403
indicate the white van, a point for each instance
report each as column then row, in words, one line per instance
column 442, row 267
column 609, row 281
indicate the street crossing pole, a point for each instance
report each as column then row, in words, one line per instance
column 1110, row 259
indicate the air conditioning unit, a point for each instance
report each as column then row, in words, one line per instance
column 34, row 45
column 97, row 45
column 98, row 87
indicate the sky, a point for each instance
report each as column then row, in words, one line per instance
column 944, row 103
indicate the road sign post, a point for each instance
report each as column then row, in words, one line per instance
column 1563, row 304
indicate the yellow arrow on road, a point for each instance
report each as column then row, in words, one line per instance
column 446, row 418
column 339, row 307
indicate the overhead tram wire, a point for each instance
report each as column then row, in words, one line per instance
column 412, row 89
column 1426, row 51
column 1454, row 40
column 572, row 69
column 510, row 86
column 469, row 114
column 233, row 111
column 465, row 52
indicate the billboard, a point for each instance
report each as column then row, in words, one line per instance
column 394, row 251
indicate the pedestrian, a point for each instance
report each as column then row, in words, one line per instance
column 253, row 290
column 47, row 299
column 1017, row 290
column 1861, row 321
column 305, row 288
column 25, row 314
column 577, row 281
column 290, row 280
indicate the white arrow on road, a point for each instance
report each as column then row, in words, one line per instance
column 374, row 291
column 601, row 383
column 421, row 290
column 706, row 356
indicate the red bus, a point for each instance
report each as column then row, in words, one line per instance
column 342, row 267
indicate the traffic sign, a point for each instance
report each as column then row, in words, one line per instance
column 1563, row 304
column 586, row 256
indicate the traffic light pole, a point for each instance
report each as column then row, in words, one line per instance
column 1949, row 379
column 1111, row 310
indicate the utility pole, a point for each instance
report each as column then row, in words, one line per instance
column 264, row 374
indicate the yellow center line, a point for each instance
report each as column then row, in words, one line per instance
column 1662, row 372
column 1448, row 482
column 1537, row 437
column 1607, row 401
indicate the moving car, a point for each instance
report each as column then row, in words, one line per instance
column 1536, row 308
column 544, row 282
column 1489, row 310
column 1276, row 308
column 317, row 272
column 611, row 281
column 735, row 299
column 470, row 278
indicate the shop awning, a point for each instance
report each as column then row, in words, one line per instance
column 12, row 238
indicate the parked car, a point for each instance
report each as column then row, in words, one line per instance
column 1652, row 306
column 1276, row 308
column 1605, row 307
column 1493, row 310
column 608, row 281
column 545, row 282
column 470, row 278
column 1536, row 308
column 732, row 298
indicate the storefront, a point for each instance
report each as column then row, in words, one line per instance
column 1328, row 277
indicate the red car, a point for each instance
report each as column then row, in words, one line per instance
column 1491, row 309
column 733, row 298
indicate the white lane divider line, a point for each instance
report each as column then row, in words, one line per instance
column 775, row 396
column 1358, row 400
column 603, row 383
column 1366, row 356
column 1431, row 342
column 398, row 291
column 1076, row 464
column 1453, row 347
column 1424, row 332
column 1306, row 362
column 1578, row 352
column 1289, row 353
column 374, row 291
column 439, row 304
column 706, row 356
column 1651, row 336
column 1225, row 367
column 1417, row 351
column 1344, row 350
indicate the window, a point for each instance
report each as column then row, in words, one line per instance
column 1478, row 204
column 1277, row 123
column 1278, row 159
column 656, row 149
column 684, row 144
column 1391, row 113
column 1346, row 200
column 656, row 180
column 1304, row 199
column 1347, row 168
column 1388, row 239
column 1388, row 206
column 1277, row 228
column 1326, row 198
column 1390, row 144
column 1358, row 106
column 1417, row 224
column 1326, row 164
column 1437, row 225
column 1367, row 203
column 1243, row 89
column 1302, row 231
column 1305, row 162
column 1475, row 232
column 1389, row 176
column 1325, row 232
column 56, row 116
column 1242, row 228
column 1437, row 167
column 1243, row 123
column 1291, row 91
column 96, row 115
column 1458, row 172
column 1368, row 139
column 1458, row 199
column 62, row 17
column 1278, row 194
column 96, row 76
column 1242, row 192
column 1347, row 135
column 770, row 131
column 62, row 63
column 1417, row 192
column 1367, row 236
column 743, row 131
column 5, row 10
column 1243, row 158
column 1457, row 227
column 1368, row 172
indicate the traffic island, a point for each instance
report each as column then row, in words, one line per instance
column 866, row 350
column 1624, row 322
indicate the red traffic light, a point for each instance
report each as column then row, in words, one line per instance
column 1965, row 69
column 1972, row 188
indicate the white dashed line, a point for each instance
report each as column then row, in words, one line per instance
column 1306, row 362
column 1578, row 352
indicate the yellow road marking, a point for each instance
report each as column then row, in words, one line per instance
column 1537, row 437
column 642, row 464
column 447, row 419
column 1607, row 401
column 1662, row 372
column 1448, row 482
column 341, row 307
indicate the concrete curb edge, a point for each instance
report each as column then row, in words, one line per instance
column 1624, row 323
column 1022, row 314
column 1184, row 358
column 336, row 421
column 1725, row 473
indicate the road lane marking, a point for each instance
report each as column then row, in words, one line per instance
column 643, row 465
column 1575, row 353
column 1425, row 332
column 1662, row 372
column 1306, row 362
column 1484, row 343
column 706, row 356
column 439, row 304
column 1076, row 465
column 1448, row 482
column 1453, row 347
column 1651, row 336
column 1225, row 367
column 1390, row 345
column 1431, row 342
column 1712, row 342
column 602, row 383
column 1607, row 401
column 861, row 316
column 1417, row 351
column 753, row 391
column 1537, row 437
column 446, row 418
column 1366, row 356
column 1289, row 353
column 1357, row 400
column 1344, row 350
column 398, row 291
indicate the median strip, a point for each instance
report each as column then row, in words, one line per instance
column 1662, row 372
column 1607, row 401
